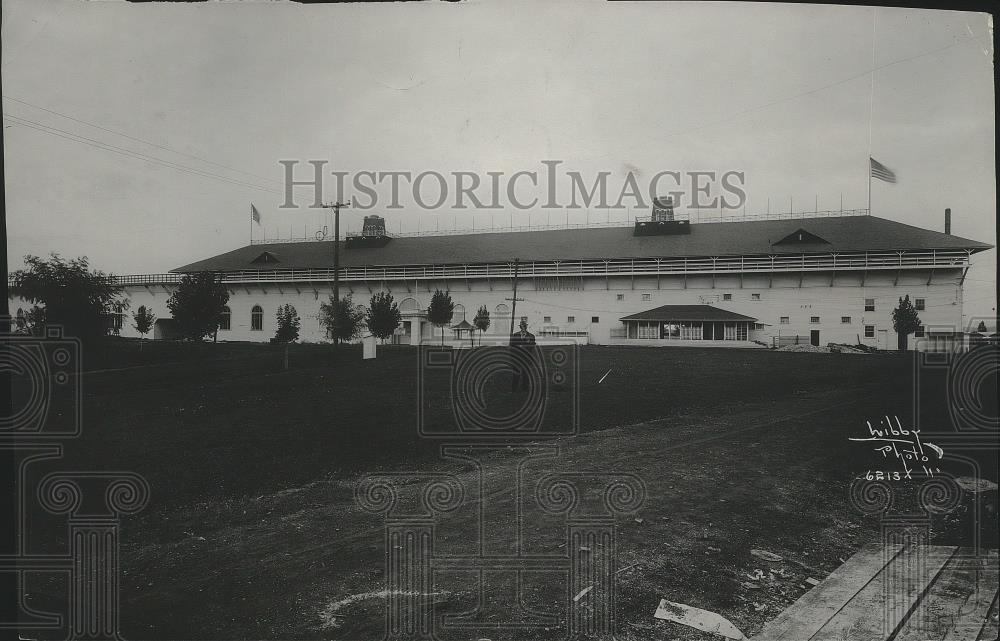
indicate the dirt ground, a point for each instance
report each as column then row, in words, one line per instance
column 254, row 529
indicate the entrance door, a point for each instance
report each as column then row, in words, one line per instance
column 814, row 337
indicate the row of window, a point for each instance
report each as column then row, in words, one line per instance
column 256, row 319
column 257, row 314
column 870, row 331
column 918, row 303
column 785, row 320
column 569, row 319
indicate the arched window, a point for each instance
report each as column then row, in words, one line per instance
column 226, row 319
column 458, row 314
column 502, row 311
column 256, row 318
column 408, row 305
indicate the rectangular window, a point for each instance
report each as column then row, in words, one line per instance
column 546, row 319
column 727, row 297
column 571, row 319
column 595, row 319
column 920, row 332
column 620, row 297
column 647, row 297
column 754, row 296
column 814, row 319
column 845, row 319
column 919, row 304
column 869, row 331
column 784, row 320
column 869, row 304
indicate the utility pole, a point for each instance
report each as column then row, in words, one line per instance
column 335, row 206
column 513, row 305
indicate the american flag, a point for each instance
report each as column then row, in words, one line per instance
column 254, row 214
column 882, row 172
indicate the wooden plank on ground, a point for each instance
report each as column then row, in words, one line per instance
column 955, row 606
column 991, row 630
column 878, row 610
column 817, row 606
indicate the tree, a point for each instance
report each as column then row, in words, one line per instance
column 288, row 324
column 68, row 293
column 342, row 319
column 31, row 323
column 383, row 316
column 482, row 321
column 143, row 320
column 905, row 321
column 197, row 305
column 441, row 310
column 982, row 327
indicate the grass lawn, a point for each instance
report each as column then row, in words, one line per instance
column 253, row 531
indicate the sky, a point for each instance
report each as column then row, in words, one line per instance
column 139, row 134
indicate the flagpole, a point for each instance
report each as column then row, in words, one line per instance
column 871, row 107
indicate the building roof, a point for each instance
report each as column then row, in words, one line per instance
column 687, row 313
column 842, row 234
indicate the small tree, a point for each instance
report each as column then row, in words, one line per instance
column 197, row 305
column 482, row 321
column 982, row 327
column 905, row 321
column 31, row 323
column 441, row 310
column 342, row 319
column 69, row 294
column 288, row 324
column 143, row 320
column 383, row 316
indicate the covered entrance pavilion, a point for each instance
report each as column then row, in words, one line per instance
column 689, row 323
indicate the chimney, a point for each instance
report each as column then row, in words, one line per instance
column 947, row 221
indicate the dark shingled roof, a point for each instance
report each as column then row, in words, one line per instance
column 847, row 233
column 687, row 313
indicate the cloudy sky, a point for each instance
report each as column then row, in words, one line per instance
column 138, row 134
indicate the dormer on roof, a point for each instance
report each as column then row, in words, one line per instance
column 802, row 237
column 266, row 258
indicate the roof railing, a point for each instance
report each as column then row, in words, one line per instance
column 834, row 261
column 589, row 224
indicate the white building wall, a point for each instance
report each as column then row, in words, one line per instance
column 572, row 304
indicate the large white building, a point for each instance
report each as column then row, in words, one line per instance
column 662, row 282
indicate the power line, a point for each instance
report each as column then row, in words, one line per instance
column 61, row 133
column 145, row 142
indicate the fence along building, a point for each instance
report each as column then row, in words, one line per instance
column 662, row 282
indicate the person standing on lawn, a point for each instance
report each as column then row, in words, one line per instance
column 523, row 356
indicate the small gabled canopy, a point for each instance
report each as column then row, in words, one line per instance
column 464, row 324
column 265, row 258
column 802, row 237
column 688, row 313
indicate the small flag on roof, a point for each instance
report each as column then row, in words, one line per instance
column 254, row 214
column 882, row 172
